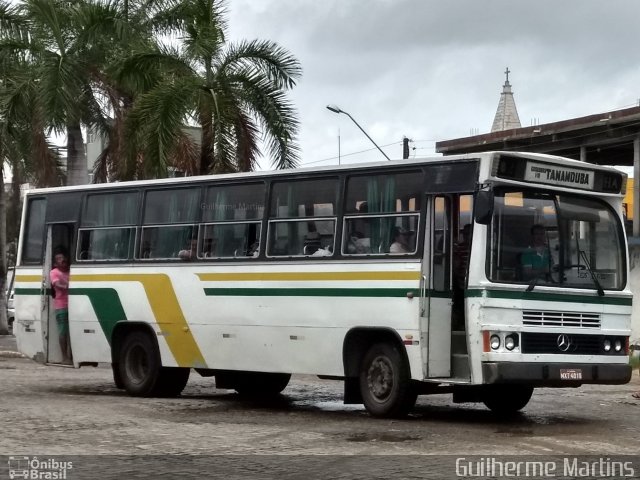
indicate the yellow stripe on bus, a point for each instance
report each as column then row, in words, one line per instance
column 306, row 276
column 166, row 309
column 28, row 278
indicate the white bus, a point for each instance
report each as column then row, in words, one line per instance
column 483, row 275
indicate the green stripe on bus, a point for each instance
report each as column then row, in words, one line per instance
column 107, row 306
column 27, row 291
column 105, row 302
column 311, row 292
column 549, row 297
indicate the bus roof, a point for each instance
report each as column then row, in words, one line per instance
column 310, row 170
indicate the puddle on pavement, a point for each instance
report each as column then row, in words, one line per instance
column 516, row 432
column 384, row 437
column 328, row 406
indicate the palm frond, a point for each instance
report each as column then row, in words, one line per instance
column 158, row 116
column 247, row 135
column 185, row 154
column 263, row 57
column 276, row 115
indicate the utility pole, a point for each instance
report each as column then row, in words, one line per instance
column 405, row 148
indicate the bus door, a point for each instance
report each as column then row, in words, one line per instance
column 437, row 296
column 58, row 240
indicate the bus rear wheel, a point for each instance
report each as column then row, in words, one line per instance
column 507, row 399
column 385, row 383
column 141, row 372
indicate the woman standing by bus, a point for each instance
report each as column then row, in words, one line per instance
column 59, row 277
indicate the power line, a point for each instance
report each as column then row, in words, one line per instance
column 349, row 154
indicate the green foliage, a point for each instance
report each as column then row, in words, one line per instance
column 105, row 66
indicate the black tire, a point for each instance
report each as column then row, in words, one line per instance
column 117, row 379
column 257, row 384
column 385, row 382
column 507, row 399
column 139, row 364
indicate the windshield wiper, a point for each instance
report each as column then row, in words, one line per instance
column 596, row 282
column 534, row 282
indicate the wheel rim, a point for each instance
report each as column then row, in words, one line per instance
column 380, row 378
column 137, row 364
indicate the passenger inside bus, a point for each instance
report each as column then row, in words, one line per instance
column 190, row 252
column 312, row 243
column 536, row 259
column 254, row 249
column 400, row 242
column 461, row 250
column 207, row 247
column 461, row 256
column 358, row 243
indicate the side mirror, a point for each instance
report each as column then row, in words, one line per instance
column 484, row 207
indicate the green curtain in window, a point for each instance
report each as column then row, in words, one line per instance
column 373, row 204
column 221, row 212
column 170, row 241
column 130, row 209
column 388, row 204
column 293, row 245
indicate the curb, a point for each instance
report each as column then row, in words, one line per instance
column 11, row 354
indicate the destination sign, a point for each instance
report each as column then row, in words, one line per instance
column 558, row 175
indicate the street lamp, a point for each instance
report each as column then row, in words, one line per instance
column 336, row 109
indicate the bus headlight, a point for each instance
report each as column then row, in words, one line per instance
column 495, row 342
column 510, row 342
column 617, row 345
column 607, row 345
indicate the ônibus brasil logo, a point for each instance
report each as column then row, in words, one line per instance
column 33, row 468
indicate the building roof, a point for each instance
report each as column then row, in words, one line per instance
column 607, row 138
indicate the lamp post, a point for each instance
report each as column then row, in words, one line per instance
column 336, row 109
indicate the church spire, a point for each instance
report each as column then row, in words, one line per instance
column 507, row 114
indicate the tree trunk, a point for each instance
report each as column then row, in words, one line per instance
column 77, row 173
column 14, row 210
column 4, row 328
column 206, row 145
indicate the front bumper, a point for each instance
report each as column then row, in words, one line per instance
column 548, row 374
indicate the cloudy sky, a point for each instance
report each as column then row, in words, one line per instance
column 433, row 69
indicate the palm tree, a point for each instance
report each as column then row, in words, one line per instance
column 66, row 45
column 130, row 32
column 232, row 91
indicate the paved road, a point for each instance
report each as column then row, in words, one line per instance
column 63, row 411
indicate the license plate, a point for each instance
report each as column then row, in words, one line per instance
column 570, row 374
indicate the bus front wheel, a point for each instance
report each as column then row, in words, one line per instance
column 385, row 383
column 507, row 399
column 139, row 364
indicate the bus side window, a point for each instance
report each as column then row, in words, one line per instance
column 302, row 218
column 231, row 240
column 33, row 241
column 107, row 228
column 441, row 215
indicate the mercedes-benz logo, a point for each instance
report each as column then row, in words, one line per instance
column 564, row 342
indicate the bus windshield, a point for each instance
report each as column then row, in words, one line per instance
column 541, row 238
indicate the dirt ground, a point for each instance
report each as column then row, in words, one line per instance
column 63, row 411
